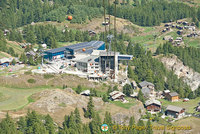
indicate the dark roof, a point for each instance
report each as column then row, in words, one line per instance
column 173, row 94
column 145, row 83
column 174, row 108
column 89, row 46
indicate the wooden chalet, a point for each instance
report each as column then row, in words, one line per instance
column 174, row 96
column 175, row 112
column 117, row 96
column 153, row 106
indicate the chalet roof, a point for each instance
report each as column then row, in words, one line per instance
column 86, row 92
column 173, row 94
column 166, row 91
column 152, row 101
column 31, row 53
column 145, row 83
column 174, row 108
column 115, row 94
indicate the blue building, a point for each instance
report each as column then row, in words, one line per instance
column 70, row 51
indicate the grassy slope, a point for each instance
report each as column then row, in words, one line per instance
column 3, row 54
column 189, row 106
column 15, row 98
column 15, row 46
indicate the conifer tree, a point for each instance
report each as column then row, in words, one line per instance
column 90, row 109
column 22, row 124
column 132, row 124
column 95, row 124
column 49, row 124
column 7, row 126
column 77, row 116
column 149, row 128
column 141, row 96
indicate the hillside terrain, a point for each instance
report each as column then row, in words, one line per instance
column 188, row 75
column 46, row 92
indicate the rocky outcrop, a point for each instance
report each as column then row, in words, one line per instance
column 59, row 103
column 190, row 77
column 123, row 117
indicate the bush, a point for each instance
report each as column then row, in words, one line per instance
column 62, row 104
column 105, row 98
column 78, row 89
column 28, row 73
column 48, row 76
column 31, row 81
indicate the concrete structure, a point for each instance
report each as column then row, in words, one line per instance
column 70, row 51
column 90, row 58
column 175, row 112
column 153, row 106
column 89, row 64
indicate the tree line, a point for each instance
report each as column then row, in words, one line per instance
column 190, row 56
column 153, row 13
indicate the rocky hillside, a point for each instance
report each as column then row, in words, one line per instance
column 189, row 76
column 59, row 103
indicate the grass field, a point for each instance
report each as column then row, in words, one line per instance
column 131, row 103
column 16, row 47
column 12, row 98
column 189, row 106
column 2, row 55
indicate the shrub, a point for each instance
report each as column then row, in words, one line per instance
column 31, row 81
column 78, row 89
column 48, row 76
column 62, row 104
column 28, row 73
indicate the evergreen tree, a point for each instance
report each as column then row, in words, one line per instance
column 34, row 124
column 105, row 98
column 141, row 124
column 22, row 124
column 7, row 126
column 77, row 116
column 141, row 96
column 149, row 128
column 78, row 89
column 13, row 62
column 127, row 90
column 49, row 124
column 95, row 124
column 30, row 37
column 90, row 109
column 132, row 124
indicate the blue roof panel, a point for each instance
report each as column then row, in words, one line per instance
column 78, row 47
